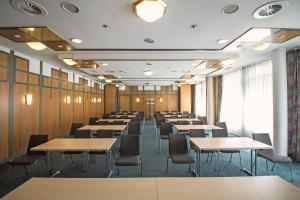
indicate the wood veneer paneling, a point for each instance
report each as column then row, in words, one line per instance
column 124, row 102
column 110, row 98
column 78, row 107
column 66, row 113
column 4, row 120
column 185, row 98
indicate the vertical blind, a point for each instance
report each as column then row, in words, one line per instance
column 247, row 100
column 200, row 99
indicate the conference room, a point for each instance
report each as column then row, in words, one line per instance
column 149, row 99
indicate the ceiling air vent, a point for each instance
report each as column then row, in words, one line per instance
column 270, row 9
column 28, row 7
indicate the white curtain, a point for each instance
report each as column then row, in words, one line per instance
column 232, row 101
column 247, row 100
column 200, row 99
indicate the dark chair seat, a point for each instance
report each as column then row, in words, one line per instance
column 128, row 160
column 229, row 151
column 97, row 152
column 275, row 158
column 182, row 159
column 164, row 137
column 26, row 159
column 72, row 152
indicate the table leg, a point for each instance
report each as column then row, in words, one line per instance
column 49, row 162
column 108, row 159
column 199, row 159
column 255, row 162
column 250, row 173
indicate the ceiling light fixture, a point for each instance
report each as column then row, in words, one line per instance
column 148, row 72
column 17, row 36
column 31, row 29
column 149, row 40
column 261, row 46
column 106, row 26
column 108, row 81
column 36, row 45
column 230, row 9
column 255, row 35
column 69, row 61
column 101, row 77
column 150, row 10
column 222, row 41
column 104, row 64
column 228, row 61
column 69, row 7
column 270, row 9
column 194, row 26
column 76, row 40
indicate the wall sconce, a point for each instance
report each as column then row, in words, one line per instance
column 99, row 100
column 160, row 99
column 68, row 99
column 94, row 100
column 28, row 99
column 79, row 99
column 137, row 100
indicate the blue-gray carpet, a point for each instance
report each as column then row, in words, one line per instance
column 154, row 165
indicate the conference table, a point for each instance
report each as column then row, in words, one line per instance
column 95, row 128
column 229, row 143
column 210, row 188
column 180, row 128
column 77, row 144
column 123, row 115
column 114, row 120
column 181, row 119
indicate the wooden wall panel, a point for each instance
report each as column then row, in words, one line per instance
column 25, row 117
column 87, row 107
column 137, row 106
column 110, row 98
column 124, row 103
column 185, row 98
column 78, row 107
column 4, row 120
column 66, row 113
column 160, row 106
column 93, row 105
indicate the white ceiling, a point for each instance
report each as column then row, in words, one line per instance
column 172, row 33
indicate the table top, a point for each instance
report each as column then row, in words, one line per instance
column 179, row 116
column 227, row 188
column 189, row 127
column 112, row 120
column 123, row 115
column 212, row 188
column 182, row 119
column 228, row 143
column 103, row 127
column 76, row 144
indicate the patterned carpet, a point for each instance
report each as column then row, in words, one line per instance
column 154, row 165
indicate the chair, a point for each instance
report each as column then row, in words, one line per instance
column 113, row 113
column 224, row 133
column 178, row 151
column 179, row 122
column 102, row 134
column 200, row 133
column 192, row 115
column 157, row 124
column 134, row 128
column 78, row 134
column 203, row 119
column 93, row 120
column 197, row 122
column 123, row 117
column 118, row 122
column 105, row 116
column 165, row 131
column 185, row 113
column 74, row 127
column 269, row 154
column 31, row 157
column 102, row 123
column 129, row 152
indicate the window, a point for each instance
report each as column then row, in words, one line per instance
column 247, row 100
column 200, row 98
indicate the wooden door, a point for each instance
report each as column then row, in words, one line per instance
column 124, row 103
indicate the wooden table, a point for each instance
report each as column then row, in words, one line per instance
column 113, row 120
column 178, row 116
column 212, row 188
column 227, row 188
column 182, row 119
column 95, row 128
column 189, row 127
column 78, row 144
column 118, row 116
column 229, row 143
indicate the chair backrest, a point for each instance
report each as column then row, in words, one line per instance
column 262, row 137
column 105, row 116
column 136, row 119
column 182, row 122
column 105, row 134
column 203, row 119
column 113, row 113
column 123, row 117
column 197, row 122
column 82, row 134
column 197, row 133
column 134, row 128
column 93, row 120
column 219, row 133
column 102, row 123
column 185, row 112
column 177, row 144
column 223, row 126
column 74, row 127
column 130, row 145
column 192, row 115
column 165, row 128
column 34, row 141
column 118, row 123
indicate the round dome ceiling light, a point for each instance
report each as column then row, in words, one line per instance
column 230, row 9
column 222, row 41
column 76, row 40
column 149, row 40
column 150, row 10
column 71, row 8
column 270, row 9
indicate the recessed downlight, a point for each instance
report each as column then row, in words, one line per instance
column 194, row 26
column 60, row 46
column 108, row 80
column 222, row 41
column 270, row 9
column 149, row 40
column 76, row 40
column 17, row 36
column 101, row 77
column 104, row 64
column 69, row 7
column 106, row 26
column 230, row 9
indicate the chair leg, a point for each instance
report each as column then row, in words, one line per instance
column 230, row 157
column 207, row 157
column 273, row 167
column 62, row 161
column 159, row 145
column 141, row 168
column 34, row 169
column 213, row 154
column 71, row 158
column 167, row 169
column 8, row 175
column 118, row 170
column 190, row 167
column 241, row 165
column 27, row 172
column 267, row 166
column 291, row 170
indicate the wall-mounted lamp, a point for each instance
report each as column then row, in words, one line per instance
column 137, row 100
column 160, row 99
column 28, row 99
column 99, row 100
column 78, row 99
column 94, row 100
column 68, row 99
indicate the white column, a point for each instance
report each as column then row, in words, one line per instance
column 210, row 100
column 280, row 115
